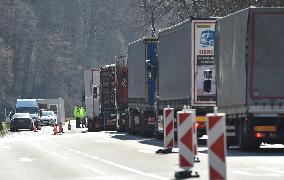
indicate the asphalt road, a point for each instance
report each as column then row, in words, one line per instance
column 75, row 155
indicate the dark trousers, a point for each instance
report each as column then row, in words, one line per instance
column 78, row 122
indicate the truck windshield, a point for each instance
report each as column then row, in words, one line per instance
column 31, row 110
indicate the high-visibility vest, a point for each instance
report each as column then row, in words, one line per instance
column 78, row 113
column 82, row 113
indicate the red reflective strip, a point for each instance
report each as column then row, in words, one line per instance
column 169, row 128
column 167, row 112
column 212, row 121
column 187, row 140
column 184, row 162
column 183, row 117
column 171, row 143
column 218, row 147
column 214, row 175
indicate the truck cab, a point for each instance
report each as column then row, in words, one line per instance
column 28, row 106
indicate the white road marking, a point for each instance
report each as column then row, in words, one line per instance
column 271, row 170
column 26, row 159
column 243, row 173
column 6, row 147
column 78, row 152
column 133, row 170
column 94, row 157
column 49, row 152
column 85, row 154
column 147, row 151
column 93, row 169
column 105, row 141
column 257, row 174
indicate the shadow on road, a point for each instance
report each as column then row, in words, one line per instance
column 263, row 151
column 148, row 141
column 142, row 140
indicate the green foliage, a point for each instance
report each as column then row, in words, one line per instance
column 170, row 12
column 46, row 45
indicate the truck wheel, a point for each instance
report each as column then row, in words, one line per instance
column 246, row 142
column 141, row 124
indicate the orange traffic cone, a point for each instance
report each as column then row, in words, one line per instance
column 60, row 128
column 55, row 129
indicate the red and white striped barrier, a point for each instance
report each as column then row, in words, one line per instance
column 194, row 136
column 185, row 139
column 216, row 130
column 169, row 128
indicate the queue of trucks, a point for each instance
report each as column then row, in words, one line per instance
column 234, row 63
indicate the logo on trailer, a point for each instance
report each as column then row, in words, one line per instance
column 207, row 38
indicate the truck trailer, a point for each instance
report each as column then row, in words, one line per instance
column 92, row 99
column 55, row 105
column 186, row 69
column 142, row 66
column 107, row 97
column 121, row 91
column 250, row 83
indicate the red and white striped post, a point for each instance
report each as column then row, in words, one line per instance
column 194, row 136
column 217, row 152
column 169, row 134
column 185, row 143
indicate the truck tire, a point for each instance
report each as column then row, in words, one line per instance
column 141, row 124
column 247, row 142
column 131, row 121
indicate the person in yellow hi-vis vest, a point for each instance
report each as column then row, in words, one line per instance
column 83, row 116
column 77, row 116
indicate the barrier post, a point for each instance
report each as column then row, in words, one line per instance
column 185, row 144
column 194, row 136
column 169, row 134
column 217, row 151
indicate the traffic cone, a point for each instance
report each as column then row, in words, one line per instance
column 60, row 128
column 34, row 127
column 55, row 129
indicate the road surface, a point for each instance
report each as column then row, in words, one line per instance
column 75, row 155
